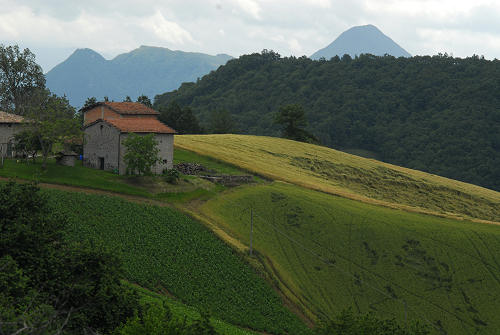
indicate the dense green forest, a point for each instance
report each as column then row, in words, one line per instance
column 438, row 114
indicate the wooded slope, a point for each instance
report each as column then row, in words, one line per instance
column 437, row 114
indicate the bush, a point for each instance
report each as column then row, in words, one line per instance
column 49, row 283
column 155, row 319
column 348, row 323
column 171, row 176
column 141, row 155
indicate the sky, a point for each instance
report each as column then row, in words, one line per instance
column 53, row 29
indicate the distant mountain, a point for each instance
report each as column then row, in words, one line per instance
column 146, row 70
column 361, row 40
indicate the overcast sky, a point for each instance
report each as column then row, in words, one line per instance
column 53, row 29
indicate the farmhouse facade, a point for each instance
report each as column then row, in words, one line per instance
column 108, row 124
column 10, row 125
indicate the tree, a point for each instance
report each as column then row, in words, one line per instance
column 293, row 121
column 52, row 119
column 143, row 99
column 181, row 119
column 142, row 153
column 79, row 115
column 48, row 284
column 20, row 77
column 90, row 102
column 28, row 143
column 221, row 122
column 127, row 99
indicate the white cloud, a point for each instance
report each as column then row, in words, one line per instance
column 250, row 7
column 319, row 3
column 244, row 26
column 166, row 30
column 295, row 46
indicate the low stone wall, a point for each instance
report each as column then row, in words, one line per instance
column 191, row 168
column 229, row 180
column 195, row 169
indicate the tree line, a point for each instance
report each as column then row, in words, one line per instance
column 49, row 119
column 438, row 114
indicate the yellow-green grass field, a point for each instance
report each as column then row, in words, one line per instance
column 329, row 253
column 331, row 171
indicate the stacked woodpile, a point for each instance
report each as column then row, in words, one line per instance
column 195, row 169
column 191, row 168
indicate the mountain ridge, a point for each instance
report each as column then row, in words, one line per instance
column 358, row 40
column 145, row 70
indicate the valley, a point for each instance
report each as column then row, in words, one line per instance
column 320, row 241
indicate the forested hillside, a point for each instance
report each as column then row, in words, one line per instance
column 438, row 114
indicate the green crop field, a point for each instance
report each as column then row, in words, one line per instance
column 330, row 253
column 164, row 250
column 350, row 176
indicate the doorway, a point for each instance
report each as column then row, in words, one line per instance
column 101, row 163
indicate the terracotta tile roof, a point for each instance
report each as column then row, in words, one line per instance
column 140, row 125
column 10, row 118
column 128, row 108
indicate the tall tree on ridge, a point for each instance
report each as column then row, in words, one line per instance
column 20, row 77
column 293, row 121
column 144, row 99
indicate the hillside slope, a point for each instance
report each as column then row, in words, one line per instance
column 166, row 251
column 361, row 40
column 332, row 253
column 436, row 114
column 146, row 70
column 328, row 253
column 328, row 170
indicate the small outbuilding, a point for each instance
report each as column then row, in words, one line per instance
column 66, row 158
column 10, row 125
column 107, row 125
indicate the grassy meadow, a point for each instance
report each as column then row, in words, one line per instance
column 168, row 252
column 331, row 171
column 330, row 253
column 187, row 188
column 78, row 176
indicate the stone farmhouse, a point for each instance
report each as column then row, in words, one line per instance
column 10, row 124
column 107, row 125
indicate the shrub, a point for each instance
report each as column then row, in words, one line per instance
column 171, row 176
column 142, row 154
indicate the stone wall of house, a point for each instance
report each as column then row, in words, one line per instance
column 166, row 154
column 7, row 132
column 101, row 141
